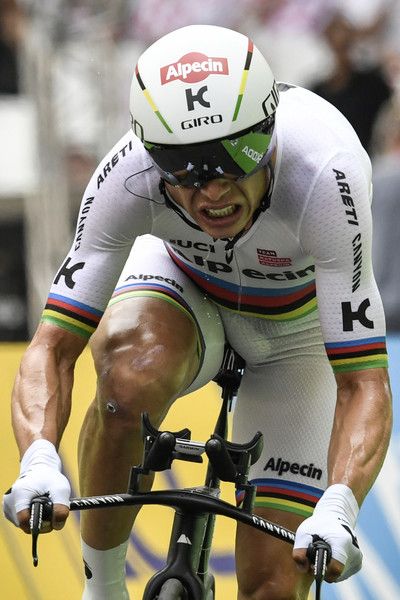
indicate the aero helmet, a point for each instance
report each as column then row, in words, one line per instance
column 203, row 100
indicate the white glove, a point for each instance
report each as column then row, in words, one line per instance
column 40, row 475
column 333, row 520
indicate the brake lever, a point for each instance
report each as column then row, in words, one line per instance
column 41, row 510
column 319, row 554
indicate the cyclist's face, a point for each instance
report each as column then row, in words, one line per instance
column 222, row 207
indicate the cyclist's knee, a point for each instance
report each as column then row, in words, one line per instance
column 273, row 580
column 270, row 588
column 265, row 567
column 144, row 365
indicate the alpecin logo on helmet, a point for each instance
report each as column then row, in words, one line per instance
column 194, row 67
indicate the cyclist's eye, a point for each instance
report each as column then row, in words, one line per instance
column 185, row 178
column 230, row 176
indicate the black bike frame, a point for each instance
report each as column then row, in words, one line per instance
column 193, row 508
column 187, row 499
column 195, row 511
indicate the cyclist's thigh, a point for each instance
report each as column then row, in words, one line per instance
column 288, row 392
column 154, row 294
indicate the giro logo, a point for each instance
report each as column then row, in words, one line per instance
column 194, row 67
column 199, row 121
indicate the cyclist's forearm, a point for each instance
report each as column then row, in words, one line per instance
column 361, row 430
column 41, row 400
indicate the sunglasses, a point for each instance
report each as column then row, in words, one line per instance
column 234, row 157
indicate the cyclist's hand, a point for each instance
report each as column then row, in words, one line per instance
column 333, row 520
column 40, row 475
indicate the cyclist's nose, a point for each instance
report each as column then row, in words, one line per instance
column 215, row 189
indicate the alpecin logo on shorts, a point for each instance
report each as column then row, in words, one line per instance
column 156, row 278
column 281, row 466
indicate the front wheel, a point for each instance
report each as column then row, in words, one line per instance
column 173, row 589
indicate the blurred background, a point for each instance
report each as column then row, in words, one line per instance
column 65, row 73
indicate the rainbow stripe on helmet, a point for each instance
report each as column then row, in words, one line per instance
column 150, row 100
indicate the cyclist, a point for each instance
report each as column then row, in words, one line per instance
column 256, row 196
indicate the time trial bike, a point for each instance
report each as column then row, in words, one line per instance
column 186, row 574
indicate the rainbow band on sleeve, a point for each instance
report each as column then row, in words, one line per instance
column 354, row 355
column 243, row 81
column 74, row 316
column 284, row 304
column 284, row 495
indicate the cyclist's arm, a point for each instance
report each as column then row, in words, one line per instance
column 41, row 404
column 41, row 399
column 361, row 429
column 337, row 231
column 109, row 220
column 352, row 322
column 359, row 440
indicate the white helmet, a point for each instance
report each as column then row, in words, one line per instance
column 201, row 84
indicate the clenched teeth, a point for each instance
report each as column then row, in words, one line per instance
column 221, row 212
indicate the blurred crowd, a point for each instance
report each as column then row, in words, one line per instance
column 348, row 52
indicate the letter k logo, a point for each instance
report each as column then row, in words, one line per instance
column 199, row 97
column 67, row 272
column 349, row 316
